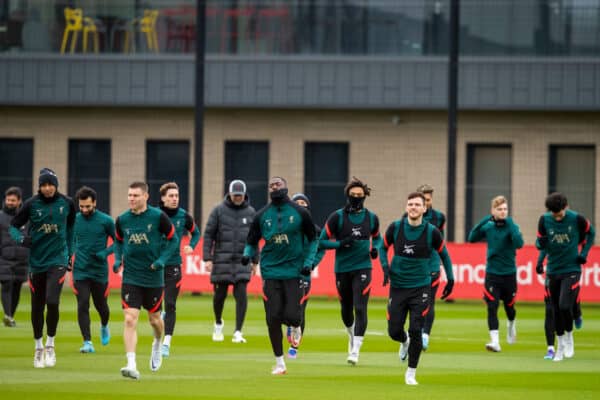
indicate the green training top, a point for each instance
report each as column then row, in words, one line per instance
column 51, row 230
column 503, row 240
column 90, row 235
column 564, row 238
column 184, row 224
column 363, row 226
column 285, row 227
column 140, row 246
column 412, row 251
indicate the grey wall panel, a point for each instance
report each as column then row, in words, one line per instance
column 300, row 81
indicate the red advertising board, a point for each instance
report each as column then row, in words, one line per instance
column 468, row 266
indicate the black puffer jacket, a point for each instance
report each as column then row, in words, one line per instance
column 224, row 240
column 14, row 259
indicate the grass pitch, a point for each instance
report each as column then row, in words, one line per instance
column 456, row 366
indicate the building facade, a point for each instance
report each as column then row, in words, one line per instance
column 316, row 92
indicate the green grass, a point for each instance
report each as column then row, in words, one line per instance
column 456, row 365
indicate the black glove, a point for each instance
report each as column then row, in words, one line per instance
column 539, row 268
column 245, row 260
column 386, row 277
column 373, row 253
column 447, row 289
column 543, row 241
column 347, row 242
column 306, row 270
column 116, row 267
column 26, row 242
column 581, row 260
column 500, row 222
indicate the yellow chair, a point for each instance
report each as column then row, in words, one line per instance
column 75, row 22
column 73, row 25
column 147, row 25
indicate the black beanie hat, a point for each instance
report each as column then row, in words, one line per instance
column 301, row 196
column 48, row 176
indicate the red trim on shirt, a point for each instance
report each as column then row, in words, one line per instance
column 171, row 232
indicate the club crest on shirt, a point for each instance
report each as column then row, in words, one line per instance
column 268, row 222
column 291, row 219
column 60, row 210
column 149, row 227
column 244, row 221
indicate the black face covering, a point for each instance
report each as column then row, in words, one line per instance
column 279, row 195
column 355, row 203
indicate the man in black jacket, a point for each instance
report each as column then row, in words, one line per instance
column 13, row 258
column 224, row 239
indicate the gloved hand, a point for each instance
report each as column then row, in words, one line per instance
column 26, row 242
column 306, row 270
column 245, row 260
column 539, row 268
column 581, row 260
column 347, row 242
column 116, row 267
column 500, row 222
column 448, row 289
column 373, row 253
column 543, row 241
column 386, row 276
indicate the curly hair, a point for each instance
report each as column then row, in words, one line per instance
column 355, row 182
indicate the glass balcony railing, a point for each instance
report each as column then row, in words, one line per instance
column 308, row 27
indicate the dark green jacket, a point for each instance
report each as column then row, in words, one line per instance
column 184, row 225
column 564, row 238
column 410, row 261
column 91, row 234
column 51, row 230
column 140, row 246
column 285, row 228
column 502, row 244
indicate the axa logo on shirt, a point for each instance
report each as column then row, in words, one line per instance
column 280, row 238
column 48, row 228
column 561, row 238
column 138, row 239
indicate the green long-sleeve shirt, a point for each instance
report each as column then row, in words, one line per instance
column 90, row 236
column 51, row 230
column 564, row 238
column 412, row 251
column 364, row 226
column 140, row 246
column 502, row 240
column 290, row 240
column 184, row 225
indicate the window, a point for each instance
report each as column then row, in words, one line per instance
column 572, row 172
column 89, row 165
column 248, row 161
column 168, row 161
column 488, row 176
column 16, row 165
column 325, row 175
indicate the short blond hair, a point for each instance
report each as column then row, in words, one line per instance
column 498, row 200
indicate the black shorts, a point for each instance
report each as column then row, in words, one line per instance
column 405, row 300
column 133, row 296
column 500, row 287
